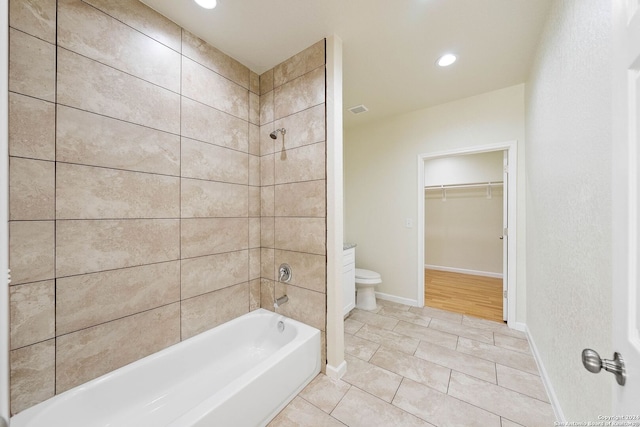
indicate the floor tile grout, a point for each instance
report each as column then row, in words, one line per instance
column 391, row 344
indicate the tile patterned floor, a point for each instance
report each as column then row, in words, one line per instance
column 411, row 366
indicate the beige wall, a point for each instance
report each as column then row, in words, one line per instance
column 569, row 203
column 462, row 232
column 381, row 179
column 136, row 211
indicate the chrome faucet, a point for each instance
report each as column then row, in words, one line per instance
column 279, row 301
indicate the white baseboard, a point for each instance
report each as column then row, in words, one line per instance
column 518, row 326
column 399, row 300
column 336, row 372
column 464, row 271
column 555, row 403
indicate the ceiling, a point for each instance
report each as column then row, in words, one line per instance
column 389, row 47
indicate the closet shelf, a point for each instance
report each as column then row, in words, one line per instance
column 470, row 185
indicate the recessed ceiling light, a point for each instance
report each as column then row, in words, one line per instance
column 207, row 4
column 445, row 60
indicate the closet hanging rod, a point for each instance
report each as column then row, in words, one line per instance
column 446, row 187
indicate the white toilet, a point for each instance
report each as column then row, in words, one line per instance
column 366, row 281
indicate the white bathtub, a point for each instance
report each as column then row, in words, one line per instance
column 241, row 373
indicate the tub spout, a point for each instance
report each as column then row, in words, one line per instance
column 279, row 301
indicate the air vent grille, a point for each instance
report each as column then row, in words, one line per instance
column 358, row 109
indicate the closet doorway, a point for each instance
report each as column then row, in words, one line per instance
column 465, row 243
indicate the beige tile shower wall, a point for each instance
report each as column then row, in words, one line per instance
column 293, row 192
column 135, row 196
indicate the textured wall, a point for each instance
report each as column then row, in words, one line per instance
column 293, row 193
column 569, row 203
column 135, row 174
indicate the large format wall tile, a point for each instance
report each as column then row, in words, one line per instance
column 254, row 83
column 89, row 246
column 92, row 139
column 210, row 162
column 299, row 94
column 91, row 299
column 304, row 128
column 301, row 199
column 254, row 108
column 34, row 17
column 213, row 199
column 254, row 201
column 208, row 236
column 267, row 200
column 32, row 127
column 267, row 171
column 304, row 305
column 31, row 251
column 88, row 192
column 144, row 19
column 159, row 187
column 204, row 123
column 254, row 232
column 301, row 164
column 267, row 237
column 212, row 58
column 254, row 294
column 254, row 139
column 266, row 109
column 267, row 144
column 267, row 267
column 214, row 308
column 32, row 375
column 266, row 82
column 32, row 66
column 85, row 30
column 309, row 270
column 299, row 64
column 254, row 170
column 203, row 85
column 211, row 273
column 254, row 263
column 89, row 85
column 32, row 308
column 84, row 355
column 301, row 235
column 31, row 189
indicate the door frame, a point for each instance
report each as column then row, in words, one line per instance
column 511, row 147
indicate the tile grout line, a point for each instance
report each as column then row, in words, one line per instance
column 55, row 207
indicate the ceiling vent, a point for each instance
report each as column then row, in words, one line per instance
column 358, row 109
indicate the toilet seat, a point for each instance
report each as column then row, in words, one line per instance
column 367, row 277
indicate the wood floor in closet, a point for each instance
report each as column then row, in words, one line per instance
column 476, row 296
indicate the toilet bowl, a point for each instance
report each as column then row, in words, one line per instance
column 366, row 281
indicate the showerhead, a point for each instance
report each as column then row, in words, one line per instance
column 274, row 134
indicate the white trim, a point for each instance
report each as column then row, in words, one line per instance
column 4, row 218
column 464, row 271
column 335, row 307
column 546, row 381
column 337, row 372
column 518, row 326
column 399, row 300
column 512, row 149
